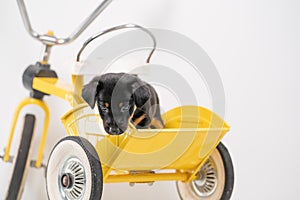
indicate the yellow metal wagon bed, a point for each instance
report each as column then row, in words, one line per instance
column 175, row 152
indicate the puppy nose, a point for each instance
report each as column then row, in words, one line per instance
column 113, row 130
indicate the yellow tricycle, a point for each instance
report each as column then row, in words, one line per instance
column 187, row 150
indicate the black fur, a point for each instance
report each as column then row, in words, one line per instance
column 122, row 97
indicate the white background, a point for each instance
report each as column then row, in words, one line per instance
column 255, row 46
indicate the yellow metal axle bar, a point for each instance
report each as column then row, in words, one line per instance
column 146, row 177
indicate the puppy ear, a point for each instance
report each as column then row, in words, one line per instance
column 90, row 91
column 141, row 93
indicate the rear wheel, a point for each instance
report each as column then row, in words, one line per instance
column 74, row 171
column 22, row 160
column 215, row 179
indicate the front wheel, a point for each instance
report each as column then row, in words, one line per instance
column 74, row 171
column 215, row 178
column 22, row 160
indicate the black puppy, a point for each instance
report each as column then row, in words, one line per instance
column 123, row 97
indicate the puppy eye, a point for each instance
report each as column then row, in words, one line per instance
column 125, row 108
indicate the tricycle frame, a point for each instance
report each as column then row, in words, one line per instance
column 117, row 170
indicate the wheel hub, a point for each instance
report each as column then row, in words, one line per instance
column 206, row 182
column 72, row 180
column 66, row 180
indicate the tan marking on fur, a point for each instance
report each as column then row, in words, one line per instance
column 138, row 120
column 134, row 108
column 106, row 105
column 156, row 123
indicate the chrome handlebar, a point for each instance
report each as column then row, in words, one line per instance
column 115, row 28
column 52, row 40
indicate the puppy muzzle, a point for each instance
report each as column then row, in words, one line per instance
column 114, row 131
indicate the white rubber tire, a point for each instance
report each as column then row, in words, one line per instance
column 223, row 167
column 80, row 149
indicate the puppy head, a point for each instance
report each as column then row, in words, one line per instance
column 116, row 95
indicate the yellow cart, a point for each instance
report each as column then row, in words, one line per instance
column 187, row 150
